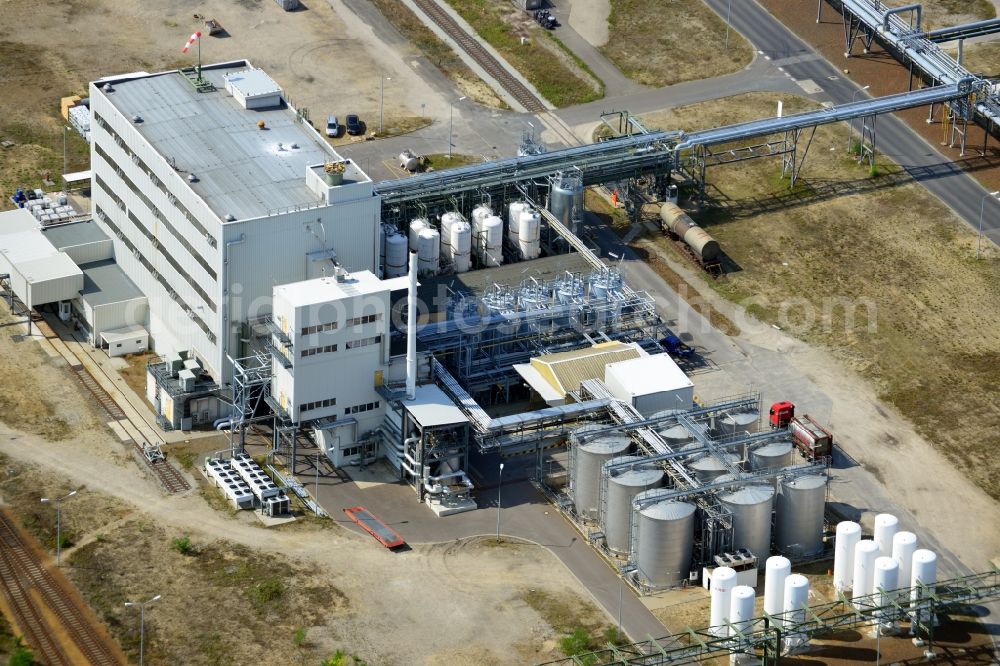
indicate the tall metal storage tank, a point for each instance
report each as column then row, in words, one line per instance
column 514, row 211
column 773, row 455
column 480, row 213
column 798, row 521
column 417, row 225
column 738, row 424
column 461, row 246
column 664, row 542
column 585, row 475
column 751, row 509
column 428, row 251
column 395, row 255
column 528, row 228
column 490, row 241
column 709, row 466
column 566, row 198
column 623, row 484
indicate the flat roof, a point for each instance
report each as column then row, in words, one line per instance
column 326, row 289
column 76, row 233
column 105, row 282
column 18, row 219
column 649, row 374
column 241, row 170
column 253, row 83
column 432, row 407
column 125, row 333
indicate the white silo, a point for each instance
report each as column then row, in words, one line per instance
column 884, row 588
column 428, row 251
column 848, row 535
column 923, row 577
column 620, row 484
column 721, row 588
column 448, row 220
column 886, row 526
column 796, row 604
column 751, row 509
column 528, row 228
column 798, row 516
column 740, row 617
column 461, row 246
column 480, row 213
column 490, row 241
column 663, row 544
column 514, row 211
column 417, row 225
column 396, row 255
column 865, row 553
column 773, row 455
column 776, row 570
column 904, row 544
column 585, row 472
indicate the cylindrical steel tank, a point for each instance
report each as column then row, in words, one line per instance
column 664, row 542
column 685, row 228
column 675, row 435
column 721, row 589
column 709, row 466
column 490, row 241
column 606, row 282
column 514, row 211
column 865, row 553
column 570, row 289
column 528, row 226
column 396, row 255
column 428, row 251
column 886, row 526
column 886, row 582
column 417, row 225
column 904, row 544
column 739, row 423
column 798, row 518
column 776, row 570
column 461, row 246
column 585, row 475
column 773, row 455
column 624, row 482
column 498, row 300
column 796, row 604
column 751, row 509
column 480, row 213
column 923, row 570
column 408, row 161
column 741, row 612
column 566, row 198
column 848, row 535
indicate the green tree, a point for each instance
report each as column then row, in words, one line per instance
column 20, row 656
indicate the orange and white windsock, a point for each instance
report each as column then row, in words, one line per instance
column 191, row 41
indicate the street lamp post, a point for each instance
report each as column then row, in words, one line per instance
column 499, row 481
column 850, row 124
column 729, row 14
column 58, row 502
column 451, row 121
column 142, row 623
column 982, row 209
column 381, row 99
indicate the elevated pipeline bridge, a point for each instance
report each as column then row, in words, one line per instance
column 662, row 153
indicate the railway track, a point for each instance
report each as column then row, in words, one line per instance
column 470, row 45
column 27, row 585
column 169, row 477
column 106, row 402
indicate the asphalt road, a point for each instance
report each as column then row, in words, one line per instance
column 893, row 138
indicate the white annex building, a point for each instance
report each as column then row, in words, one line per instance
column 213, row 193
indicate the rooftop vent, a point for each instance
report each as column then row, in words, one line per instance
column 137, row 118
column 281, row 146
column 108, row 88
column 261, row 124
column 192, row 178
column 230, row 217
column 295, row 146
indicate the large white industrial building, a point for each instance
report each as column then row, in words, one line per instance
column 213, row 193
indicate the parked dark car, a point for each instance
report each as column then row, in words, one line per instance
column 354, row 124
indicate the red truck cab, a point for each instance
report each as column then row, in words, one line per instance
column 781, row 413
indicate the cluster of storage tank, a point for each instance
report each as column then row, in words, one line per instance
column 600, row 285
column 623, row 494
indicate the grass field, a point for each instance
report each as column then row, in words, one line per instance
column 438, row 52
column 981, row 58
column 944, row 13
column 663, row 42
column 560, row 77
column 875, row 269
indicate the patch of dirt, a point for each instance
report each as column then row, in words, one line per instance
column 662, row 42
column 945, row 13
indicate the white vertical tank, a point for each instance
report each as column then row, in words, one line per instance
column 776, row 570
column 528, row 226
column 396, row 255
column 740, row 617
column 428, row 251
column 798, row 515
column 848, row 535
column 620, row 484
column 480, row 213
column 796, row 603
column 723, row 582
column 663, row 542
column 886, row 582
column 417, row 225
column 490, row 239
column 514, row 211
column 461, row 246
column 448, row 220
column 904, row 544
column 923, row 570
column 865, row 554
column 886, row 526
